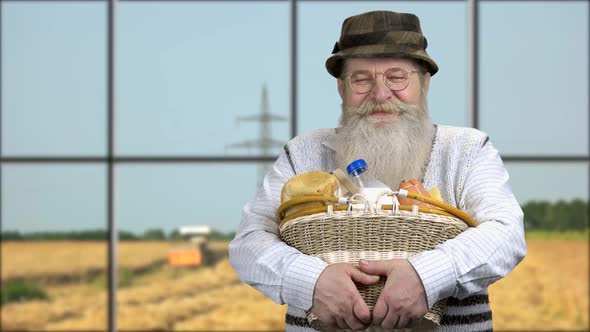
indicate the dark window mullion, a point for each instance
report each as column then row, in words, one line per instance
column 137, row 159
column 293, row 66
column 472, row 63
column 113, row 238
column 1, row 137
column 236, row 159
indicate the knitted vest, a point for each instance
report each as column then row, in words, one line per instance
column 452, row 152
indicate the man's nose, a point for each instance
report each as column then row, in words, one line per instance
column 381, row 92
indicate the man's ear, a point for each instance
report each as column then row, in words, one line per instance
column 340, row 88
column 426, row 81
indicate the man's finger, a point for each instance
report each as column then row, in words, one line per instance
column 379, row 311
column 354, row 323
column 341, row 323
column 363, row 278
column 331, row 321
column 375, row 267
column 390, row 320
column 403, row 322
column 412, row 322
column 361, row 310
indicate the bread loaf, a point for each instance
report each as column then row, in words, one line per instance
column 308, row 184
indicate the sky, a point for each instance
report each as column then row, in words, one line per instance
column 185, row 72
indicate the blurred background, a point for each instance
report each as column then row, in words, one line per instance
column 132, row 135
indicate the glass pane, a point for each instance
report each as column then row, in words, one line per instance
column 547, row 286
column 319, row 24
column 548, row 181
column 534, row 76
column 182, row 280
column 53, row 78
column 54, row 248
column 191, row 77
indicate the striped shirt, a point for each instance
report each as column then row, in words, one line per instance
column 470, row 175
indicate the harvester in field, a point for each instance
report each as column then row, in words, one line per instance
column 192, row 250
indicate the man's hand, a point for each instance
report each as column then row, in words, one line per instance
column 336, row 300
column 403, row 298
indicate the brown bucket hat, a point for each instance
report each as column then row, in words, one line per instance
column 380, row 34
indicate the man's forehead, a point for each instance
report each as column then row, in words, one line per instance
column 379, row 63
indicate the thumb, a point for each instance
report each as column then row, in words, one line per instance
column 362, row 278
column 375, row 267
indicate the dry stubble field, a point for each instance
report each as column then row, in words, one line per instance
column 547, row 291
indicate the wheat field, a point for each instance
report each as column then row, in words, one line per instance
column 547, row 291
column 52, row 260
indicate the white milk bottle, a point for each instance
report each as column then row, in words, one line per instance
column 368, row 185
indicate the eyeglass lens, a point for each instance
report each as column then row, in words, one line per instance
column 362, row 81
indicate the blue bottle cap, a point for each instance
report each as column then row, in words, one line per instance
column 355, row 165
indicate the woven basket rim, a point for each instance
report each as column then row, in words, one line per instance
column 381, row 215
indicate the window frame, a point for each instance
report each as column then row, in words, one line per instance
column 112, row 159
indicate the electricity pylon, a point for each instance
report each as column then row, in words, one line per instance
column 264, row 143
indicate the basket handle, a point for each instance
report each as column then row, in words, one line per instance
column 446, row 207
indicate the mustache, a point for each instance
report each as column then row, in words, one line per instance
column 371, row 107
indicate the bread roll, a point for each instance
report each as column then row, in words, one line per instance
column 416, row 187
column 307, row 184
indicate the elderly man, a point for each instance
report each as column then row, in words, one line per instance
column 383, row 74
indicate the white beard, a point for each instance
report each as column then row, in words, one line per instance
column 394, row 152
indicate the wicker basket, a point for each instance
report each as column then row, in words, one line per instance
column 354, row 232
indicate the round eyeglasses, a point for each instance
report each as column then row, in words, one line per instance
column 363, row 81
